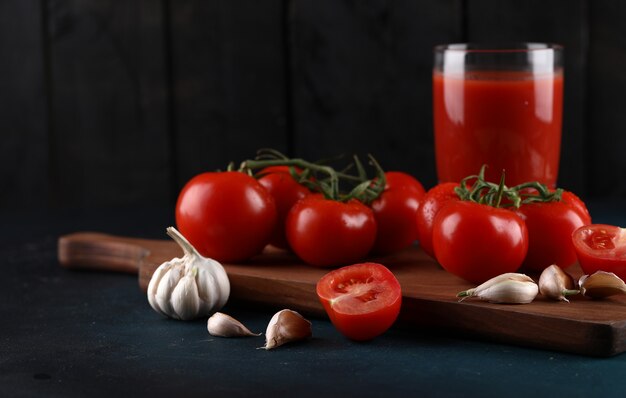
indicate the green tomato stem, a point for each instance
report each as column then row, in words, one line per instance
column 476, row 189
column 333, row 186
column 366, row 191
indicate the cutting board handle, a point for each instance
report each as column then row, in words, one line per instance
column 101, row 252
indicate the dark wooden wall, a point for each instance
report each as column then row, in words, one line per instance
column 118, row 103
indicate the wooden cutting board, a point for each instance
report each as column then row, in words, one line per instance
column 277, row 278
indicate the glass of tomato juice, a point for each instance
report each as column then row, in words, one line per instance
column 500, row 106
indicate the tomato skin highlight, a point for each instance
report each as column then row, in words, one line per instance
column 362, row 300
column 477, row 242
column 436, row 198
column 550, row 227
column 227, row 216
column 395, row 211
column 286, row 191
column 327, row 233
column 601, row 247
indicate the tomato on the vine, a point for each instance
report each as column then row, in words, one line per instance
column 399, row 179
column 477, row 242
column 329, row 233
column 601, row 247
column 430, row 205
column 227, row 216
column 550, row 227
column 395, row 211
column 361, row 300
column 577, row 204
column 286, row 192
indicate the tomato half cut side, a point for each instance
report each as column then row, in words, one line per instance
column 361, row 300
column 601, row 247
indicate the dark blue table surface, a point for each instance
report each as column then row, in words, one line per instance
column 66, row 333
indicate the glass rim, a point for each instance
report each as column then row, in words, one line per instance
column 514, row 47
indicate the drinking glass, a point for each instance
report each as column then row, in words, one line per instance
column 500, row 106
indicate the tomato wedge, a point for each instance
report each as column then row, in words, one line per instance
column 361, row 300
column 601, row 247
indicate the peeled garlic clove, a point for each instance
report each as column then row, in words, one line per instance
column 284, row 327
column 555, row 283
column 601, row 284
column 222, row 325
column 509, row 288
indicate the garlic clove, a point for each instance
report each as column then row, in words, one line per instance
column 556, row 284
column 213, row 288
column 509, row 288
column 168, row 282
column 510, row 292
column 601, row 284
column 222, row 325
column 286, row 326
column 184, row 298
column 153, row 285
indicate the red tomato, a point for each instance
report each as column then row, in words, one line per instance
column 329, row 233
column 577, row 204
column 395, row 211
column 361, row 300
column 227, row 216
column 477, row 242
column 399, row 179
column 550, row 227
column 286, row 191
column 601, row 247
column 431, row 203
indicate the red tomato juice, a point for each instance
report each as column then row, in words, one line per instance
column 507, row 120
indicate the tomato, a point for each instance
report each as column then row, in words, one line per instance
column 286, row 191
column 431, row 203
column 550, row 227
column 477, row 242
column 227, row 216
column 361, row 300
column 577, row 204
column 328, row 233
column 601, row 247
column 395, row 211
column 399, row 179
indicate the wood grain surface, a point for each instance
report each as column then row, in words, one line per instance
column 277, row 278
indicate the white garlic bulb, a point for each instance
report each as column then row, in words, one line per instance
column 189, row 287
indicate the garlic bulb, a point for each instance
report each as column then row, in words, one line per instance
column 189, row 287
column 509, row 288
column 555, row 283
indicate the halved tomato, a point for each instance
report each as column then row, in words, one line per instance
column 601, row 247
column 361, row 300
